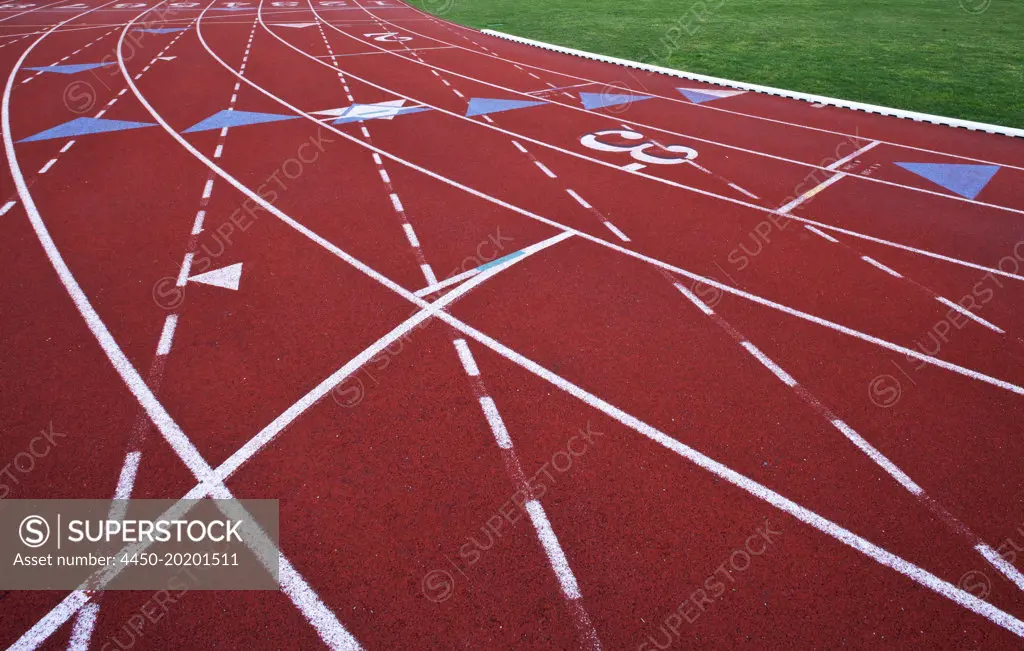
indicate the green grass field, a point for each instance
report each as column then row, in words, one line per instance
column 922, row 55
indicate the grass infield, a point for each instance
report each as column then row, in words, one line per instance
column 957, row 58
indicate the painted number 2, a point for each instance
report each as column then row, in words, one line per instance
column 638, row 151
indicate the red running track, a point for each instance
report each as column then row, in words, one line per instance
column 535, row 351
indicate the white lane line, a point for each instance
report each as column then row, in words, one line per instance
column 487, row 118
column 376, row 158
column 578, row 198
column 126, row 481
column 466, row 357
column 366, row 133
column 494, row 420
column 810, row 193
column 519, row 147
column 167, row 335
column 81, row 632
column 970, row 315
column 458, row 278
column 846, row 159
column 786, row 378
column 46, row 168
column 614, row 229
column 544, row 169
column 197, row 225
column 67, row 146
column 877, row 457
column 693, row 299
column 553, row 549
column 746, row 192
column 821, row 234
column 208, row 189
column 7, row 206
column 875, row 263
column 410, row 234
column 384, row 175
column 1001, row 564
column 456, row 91
column 397, row 203
column 428, row 273
column 219, row 151
column 186, row 267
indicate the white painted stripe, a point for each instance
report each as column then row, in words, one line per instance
column 967, row 313
column 633, row 167
column 411, row 235
column 544, row 169
column 456, row 91
column 494, row 420
column 445, row 82
column 810, row 193
column 223, row 131
column 487, row 118
column 693, row 299
column 376, row 158
column 366, row 133
column 208, row 189
column 875, row 263
column 81, row 632
column 614, row 229
column 519, row 147
column 430, row 289
column 880, row 459
column 67, row 146
column 219, row 151
column 384, row 175
column 846, row 159
column 7, row 206
column 578, row 198
column 428, row 273
column 1001, row 564
column 786, row 378
column 821, row 233
column 49, row 164
column 553, row 549
column 234, row 98
column 167, row 336
column 397, row 203
column 739, row 189
column 466, row 357
column 186, row 267
column 197, row 225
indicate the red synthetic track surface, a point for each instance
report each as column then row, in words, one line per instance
column 719, row 402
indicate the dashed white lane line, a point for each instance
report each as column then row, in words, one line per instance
column 384, row 175
column 466, row 357
column 580, row 200
column 45, row 168
column 220, row 150
column 197, row 225
column 494, row 420
column 544, row 169
column 810, row 193
column 411, row 234
column 553, row 549
column 167, row 335
column 208, row 189
column 704, row 307
column 970, row 315
column 878, row 457
column 67, row 146
column 126, row 480
column 376, row 158
column 1001, row 564
column 742, row 191
column 7, row 206
column 397, row 203
column 821, row 234
column 846, row 159
column 519, row 147
column 428, row 273
column 615, row 230
column 786, row 378
column 186, row 267
column 875, row 263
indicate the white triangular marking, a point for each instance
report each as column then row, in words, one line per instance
column 293, row 24
column 167, row 58
column 714, row 91
column 386, row 110
column 226, row 277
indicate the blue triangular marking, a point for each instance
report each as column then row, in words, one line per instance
column 236, row 119
column 403, row 111
column 85, row 126
column 600, row 100
column 698, row 97
column 164, row 30
column 484, row 105
column 965, row 180
column 71, row 68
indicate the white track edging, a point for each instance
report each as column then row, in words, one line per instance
column 768, row 90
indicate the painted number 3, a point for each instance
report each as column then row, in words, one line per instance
column 639, row 151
